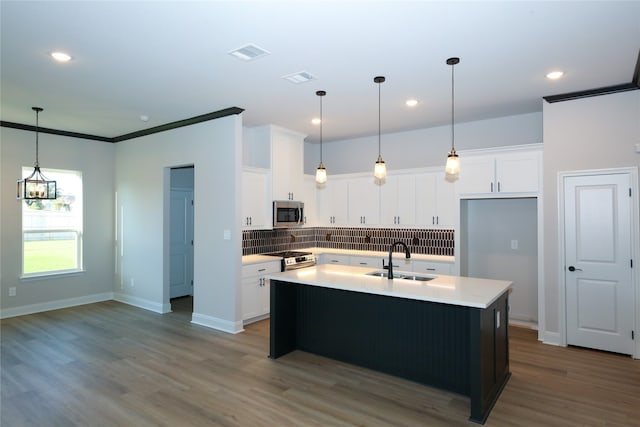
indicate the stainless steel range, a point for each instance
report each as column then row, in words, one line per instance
column 292, row 260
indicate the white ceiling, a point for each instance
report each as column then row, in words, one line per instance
column 169, row 60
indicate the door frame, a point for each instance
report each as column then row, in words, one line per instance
column 635, row 247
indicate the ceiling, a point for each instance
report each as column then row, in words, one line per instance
column 169, row 60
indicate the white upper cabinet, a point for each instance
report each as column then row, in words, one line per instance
column 332, row 198
column 398, row 200
column 435, row 199
column 255, row 202
column 364, row 202
column 504, row 173
column 310, row 200
column 287, row 164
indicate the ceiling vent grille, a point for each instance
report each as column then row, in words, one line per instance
column 299, row 77
column 249, row 52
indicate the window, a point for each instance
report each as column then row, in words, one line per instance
column 52, row 229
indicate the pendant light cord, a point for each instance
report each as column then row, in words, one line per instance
column 37, row 127
column 379, row 150
column 321, row 129
column 452, row 109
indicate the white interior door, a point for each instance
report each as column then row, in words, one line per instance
column 181, row 251
column 598, row 276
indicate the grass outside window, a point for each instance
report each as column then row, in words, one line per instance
column 49, row 255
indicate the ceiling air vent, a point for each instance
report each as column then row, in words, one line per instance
column 299, row 77
column 249, row 52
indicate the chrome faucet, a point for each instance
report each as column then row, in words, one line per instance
column 390, row 267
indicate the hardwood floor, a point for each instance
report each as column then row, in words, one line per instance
column 109, row 364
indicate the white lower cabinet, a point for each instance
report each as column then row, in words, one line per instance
column 431, row 267
column 255, row 289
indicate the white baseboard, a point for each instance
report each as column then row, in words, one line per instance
column 552, row 338
column 524, row 324
column 55, row 305
column 142, row 303
column 216, row 323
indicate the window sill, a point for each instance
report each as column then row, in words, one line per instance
column 51, row 275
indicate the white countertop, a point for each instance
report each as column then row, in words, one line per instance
column 253, row 259
column 455, row 290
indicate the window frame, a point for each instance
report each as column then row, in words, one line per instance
column 78, row 233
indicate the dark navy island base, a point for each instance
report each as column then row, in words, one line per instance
column 456, row 348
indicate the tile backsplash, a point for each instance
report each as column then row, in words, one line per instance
column 420, row 241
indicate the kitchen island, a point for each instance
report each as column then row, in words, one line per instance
column 449, row 332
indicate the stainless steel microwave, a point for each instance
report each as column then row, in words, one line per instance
column 288, row 213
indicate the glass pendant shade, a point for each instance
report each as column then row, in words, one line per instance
column 321, row 174
column 453, row 163
column 36, row 185
column 380, row 168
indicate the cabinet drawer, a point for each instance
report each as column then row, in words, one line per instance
column 431, row 267
column 334, row 259
column 261, row 269
column 366, row 261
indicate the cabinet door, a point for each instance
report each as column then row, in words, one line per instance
column 364, row 202
column 332, row 203
column 256, row 212
column 310, row 200
column 255, row 288
column 398, row 201
column 476, row 175
column 426, row 199
column 518, row 173
column 446, row 200
column 287, row 159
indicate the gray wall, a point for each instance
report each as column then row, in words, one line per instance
column 96, row 161
column 489, row 226
column 422, row 147
column 589, row 133
column 142, row 182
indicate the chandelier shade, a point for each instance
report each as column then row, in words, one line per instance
column 36, row 186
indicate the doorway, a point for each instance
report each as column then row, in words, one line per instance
column 597, row 229
column 181, row 213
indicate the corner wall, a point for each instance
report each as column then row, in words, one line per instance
column 96, row 161
column 142, row 184
column 589, row 133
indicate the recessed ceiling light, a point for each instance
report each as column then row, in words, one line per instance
column 316, row 121
column 554, row 75
column 249, row 52
column 61, row 56
column 299, row 77
column 411, row 102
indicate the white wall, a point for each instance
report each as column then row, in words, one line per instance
column 422, row 147
column 96, row 161
column 142, row 181
column 489, row 226
column 589, row 133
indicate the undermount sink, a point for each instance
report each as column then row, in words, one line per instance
column 402, row 276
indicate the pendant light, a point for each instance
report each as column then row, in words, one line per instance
column 379, row 169
column 321, row 172
column 453, row 161
column 36, row 185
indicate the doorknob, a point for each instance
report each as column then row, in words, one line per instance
column 572, row 268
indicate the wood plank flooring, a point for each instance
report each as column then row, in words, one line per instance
column 109, row 364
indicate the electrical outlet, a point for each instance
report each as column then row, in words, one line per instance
column 12, row 291
column 514, row 244
column 132, row 283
